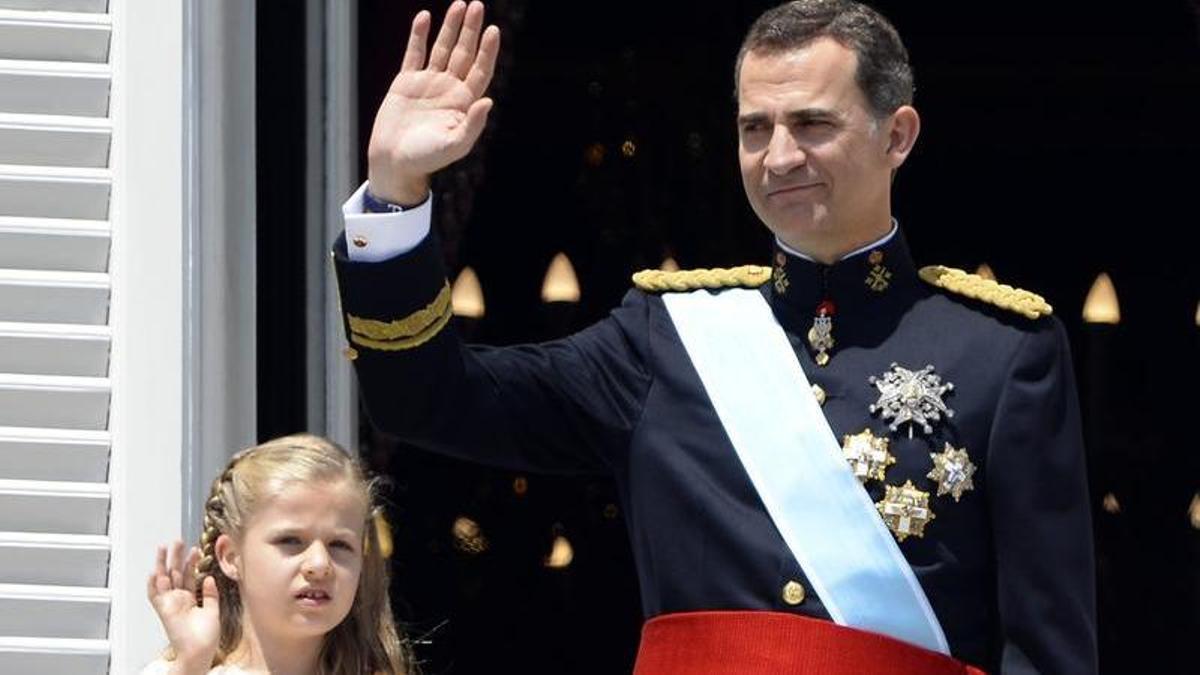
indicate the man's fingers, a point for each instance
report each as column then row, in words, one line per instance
column 160, row 561
column 414, row 53
column 463, row 54
column 485, row 62
column 447, row 36
column 472, row 126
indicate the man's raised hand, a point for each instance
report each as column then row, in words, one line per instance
column 435, row 109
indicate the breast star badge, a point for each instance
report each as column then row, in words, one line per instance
column 867, row 454
column 952, row 469
column 911, row 396
column 905, row 510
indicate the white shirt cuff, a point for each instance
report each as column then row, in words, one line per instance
column 374, row 237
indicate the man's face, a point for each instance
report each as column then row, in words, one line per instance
column 816, row 164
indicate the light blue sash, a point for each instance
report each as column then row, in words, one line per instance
column 827, row 519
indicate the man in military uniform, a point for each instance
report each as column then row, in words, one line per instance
column 839, row 463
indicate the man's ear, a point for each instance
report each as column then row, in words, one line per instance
column 226, row 553
column 903, row 127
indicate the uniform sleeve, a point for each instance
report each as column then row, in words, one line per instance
column 563, row 407
column 1037, row 487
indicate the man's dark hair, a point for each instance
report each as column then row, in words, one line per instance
column 883, row 74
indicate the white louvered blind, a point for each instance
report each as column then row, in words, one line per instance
column 55, row 188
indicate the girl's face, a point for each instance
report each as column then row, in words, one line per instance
column 300, row 558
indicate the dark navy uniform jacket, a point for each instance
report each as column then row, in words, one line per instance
column 1008, row 569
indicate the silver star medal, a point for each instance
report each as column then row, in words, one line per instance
column 912, row 397
column 952, row 469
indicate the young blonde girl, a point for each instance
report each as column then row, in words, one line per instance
column 289, row 575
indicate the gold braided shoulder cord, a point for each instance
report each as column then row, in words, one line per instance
column 749, row 276
column 410, row 326
column 1030, row 305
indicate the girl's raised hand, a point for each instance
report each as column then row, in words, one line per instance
column 193, row 630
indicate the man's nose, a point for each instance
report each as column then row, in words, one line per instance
column 783, row 152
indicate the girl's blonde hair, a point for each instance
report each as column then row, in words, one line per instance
column 366, row 641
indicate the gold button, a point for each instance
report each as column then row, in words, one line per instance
column 793, row 593
column 350, row 353
column 819, row 393
column 360, row 242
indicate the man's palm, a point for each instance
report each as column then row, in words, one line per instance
column 435, row 109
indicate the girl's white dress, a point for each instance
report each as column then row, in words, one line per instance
column 163, row 667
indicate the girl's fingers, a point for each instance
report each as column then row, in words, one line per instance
column 160, row 560
column 189, row 568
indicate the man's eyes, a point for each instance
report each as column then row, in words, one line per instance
column 755, row 127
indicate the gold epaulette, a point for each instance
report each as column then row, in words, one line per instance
column 1022, row 302
column 746, row 276
column 411, row 331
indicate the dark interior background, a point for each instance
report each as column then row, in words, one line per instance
column 1060, row 140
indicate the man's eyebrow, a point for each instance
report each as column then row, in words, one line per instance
column 752, row 117
column 802, row 115
column 810, row 114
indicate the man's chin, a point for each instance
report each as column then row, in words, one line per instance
column 800, row 231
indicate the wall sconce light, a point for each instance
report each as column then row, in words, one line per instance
column 466, row 295
column 561, row 553
column 468, row 536
column 560, row 283
column 1101, row 305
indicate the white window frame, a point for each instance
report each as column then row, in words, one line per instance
column 146, row 310
column 183, row 304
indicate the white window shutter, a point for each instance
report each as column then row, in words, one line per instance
column 55, row 337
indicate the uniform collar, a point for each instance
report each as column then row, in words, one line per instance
column 862, row 249
column 875, row 280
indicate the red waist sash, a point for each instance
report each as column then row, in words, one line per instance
column 775, row 643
